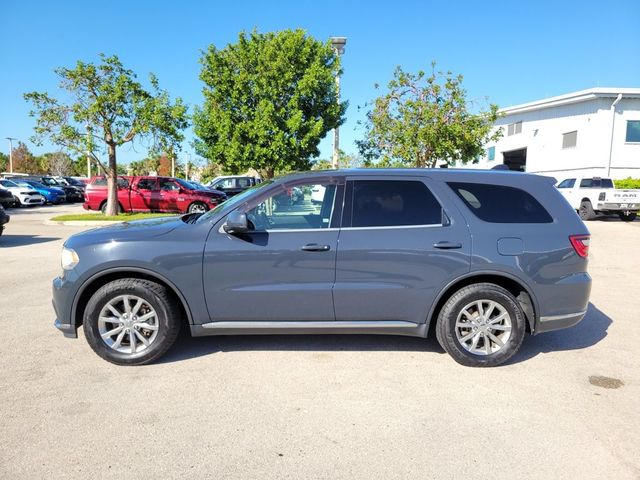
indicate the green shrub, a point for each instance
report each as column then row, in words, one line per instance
column 627, row 183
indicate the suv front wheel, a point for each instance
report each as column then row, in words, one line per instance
column 131, row 321
column 481, row 325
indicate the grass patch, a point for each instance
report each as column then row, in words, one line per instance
column 98, row 217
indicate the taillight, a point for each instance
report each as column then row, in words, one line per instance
column 580, row 244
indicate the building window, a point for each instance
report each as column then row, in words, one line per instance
column 633, row 131
column 570, row 139
column 491, row 153
column 514, row 128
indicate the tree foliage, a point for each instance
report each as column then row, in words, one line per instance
column 4, row 162
column 424, row 118
column 26, row 162
column 107, row 107
column 269, row 100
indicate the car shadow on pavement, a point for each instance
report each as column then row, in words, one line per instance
column 587, row 333
column 591, row 330
column 187, row 347
column 8, row 240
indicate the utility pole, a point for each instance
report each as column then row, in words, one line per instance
column 337, row 43
column 11, row 139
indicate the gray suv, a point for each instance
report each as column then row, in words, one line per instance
column 477, row 257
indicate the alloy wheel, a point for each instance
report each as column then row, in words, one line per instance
column 128, row 324
column 483, row 327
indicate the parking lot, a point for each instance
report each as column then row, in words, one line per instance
column 316, row 406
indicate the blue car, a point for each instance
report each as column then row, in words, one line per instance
column 52, row 195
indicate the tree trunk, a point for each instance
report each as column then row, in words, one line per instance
column 112, row 183
column 267, row 173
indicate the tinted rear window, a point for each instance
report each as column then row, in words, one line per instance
column 501, row 204
column 102, row 182
column 596, row 183
column 393, row 203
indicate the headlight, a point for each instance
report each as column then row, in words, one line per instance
column 69, row 258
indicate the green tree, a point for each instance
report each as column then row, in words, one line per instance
column 269, row 100
column 4, row 162
column 106, row 108
column 345, row 160
column 24, row 161
column 423, row 119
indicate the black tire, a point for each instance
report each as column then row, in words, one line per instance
column 103, row 208
column 446, row 324
column 157, row 296
column 197, row 207
column 628, row 217
column 586, row 211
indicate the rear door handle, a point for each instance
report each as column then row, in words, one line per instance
column 444, row 245
column 314, row 247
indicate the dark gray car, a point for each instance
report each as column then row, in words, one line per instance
column 477, row 257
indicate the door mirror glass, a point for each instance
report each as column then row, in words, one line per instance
column 236, row 223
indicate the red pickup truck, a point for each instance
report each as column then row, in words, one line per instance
column 152, row 194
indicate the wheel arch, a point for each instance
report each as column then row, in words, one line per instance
column 513, row 284
column 93, row 283
column 104, row 202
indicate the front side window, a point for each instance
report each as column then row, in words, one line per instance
column 568, row 183
column 147, row 184
column 226, row 183
column 168, row 185
column 500, row 204
column 244, row 182
column 633, row 131
column 292, row 208
column 393, row 203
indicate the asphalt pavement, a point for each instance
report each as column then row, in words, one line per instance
column 330, row 407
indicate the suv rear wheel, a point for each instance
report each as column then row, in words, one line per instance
column 481, row 325
column 628, row 217
column 131, row 321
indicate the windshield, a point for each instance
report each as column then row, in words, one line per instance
column 36, row 184
column 25, row 184
column 9, row 184
column 50, row 182
column 233, row 201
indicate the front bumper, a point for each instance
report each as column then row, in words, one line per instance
column 62, row 299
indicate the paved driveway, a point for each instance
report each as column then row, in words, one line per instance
column 317, row 407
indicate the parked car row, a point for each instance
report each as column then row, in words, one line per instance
column 32, row 190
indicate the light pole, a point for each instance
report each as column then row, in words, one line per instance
column 11, row 139
column 337, row 43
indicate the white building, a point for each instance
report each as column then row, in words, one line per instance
column 593, row 132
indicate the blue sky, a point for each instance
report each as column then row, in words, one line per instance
column 510, row 52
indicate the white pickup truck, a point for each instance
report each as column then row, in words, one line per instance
column 591, row 196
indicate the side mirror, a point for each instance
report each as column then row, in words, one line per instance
column 236, row 223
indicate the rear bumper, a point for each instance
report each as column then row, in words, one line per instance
column 563, row 304
column 558, row 322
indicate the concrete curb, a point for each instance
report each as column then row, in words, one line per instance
column 83, row 223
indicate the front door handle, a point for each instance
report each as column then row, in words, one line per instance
column 314, row 247
column 444, row 245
